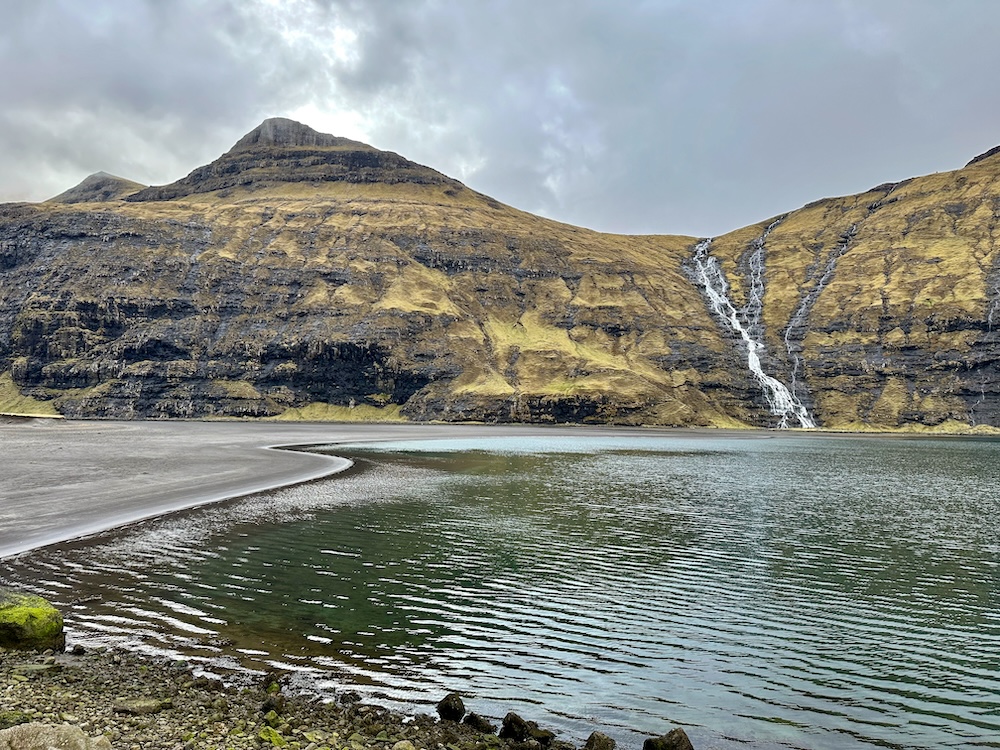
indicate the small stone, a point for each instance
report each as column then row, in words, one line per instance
column 207, row 683
column 142, row 706
column 78, row 650
column 404, row 745
column 273, row 702
column 675, row 739
column 32, row 669
column 451, row 707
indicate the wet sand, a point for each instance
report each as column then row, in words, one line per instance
column 62, row 479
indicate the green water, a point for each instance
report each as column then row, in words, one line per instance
column 763, row 592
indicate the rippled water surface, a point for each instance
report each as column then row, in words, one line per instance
column 764, row 592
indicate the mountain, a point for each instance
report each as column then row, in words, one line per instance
column 98, row 188
column 884, row 306
column 301, row 275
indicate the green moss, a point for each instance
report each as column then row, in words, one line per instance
column 238, row 389
column 10, row 719
column 29, row 622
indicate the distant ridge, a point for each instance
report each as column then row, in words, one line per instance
column 99, row 187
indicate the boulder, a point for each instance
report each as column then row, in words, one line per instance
column 520, row 730
column 142, row 706
column 479, row 723
column 599, row 741
column 36, row 736
column 675, row 739
column 451, row 707
column 29, row 622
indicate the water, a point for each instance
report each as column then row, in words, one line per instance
column 763, row 592
column 782, row 402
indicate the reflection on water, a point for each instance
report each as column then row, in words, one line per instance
column 783, row 592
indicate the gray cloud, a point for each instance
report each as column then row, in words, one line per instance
column 671, row 116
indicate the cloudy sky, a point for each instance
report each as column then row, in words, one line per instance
column 666, row 116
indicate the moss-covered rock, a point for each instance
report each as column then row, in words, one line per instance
column 29, row 622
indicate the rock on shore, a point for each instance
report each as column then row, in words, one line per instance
column 29, row 622
column 136, row 701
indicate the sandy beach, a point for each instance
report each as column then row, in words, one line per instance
column 62, row 479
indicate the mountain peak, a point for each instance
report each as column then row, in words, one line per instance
column 282, row 132
column 98, row 188
column 280, row 151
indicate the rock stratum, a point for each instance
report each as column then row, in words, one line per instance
column 302, row 275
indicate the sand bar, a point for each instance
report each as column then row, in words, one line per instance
column 63, row 479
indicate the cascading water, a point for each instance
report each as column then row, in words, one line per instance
column 780, row 400
column 793, row 339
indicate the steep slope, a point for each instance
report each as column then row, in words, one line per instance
column 301, row 271
column 879, row 309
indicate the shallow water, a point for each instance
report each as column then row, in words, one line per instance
column 762, row 591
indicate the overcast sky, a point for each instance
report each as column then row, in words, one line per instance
column 669, row 116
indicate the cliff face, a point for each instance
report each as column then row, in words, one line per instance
column 303, row 274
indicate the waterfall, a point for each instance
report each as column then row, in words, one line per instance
column 793, row 343
column 780, row 400
column 754, row 307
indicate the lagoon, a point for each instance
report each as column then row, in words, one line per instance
column 765, row 590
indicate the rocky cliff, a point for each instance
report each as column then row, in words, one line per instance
column 303, row 275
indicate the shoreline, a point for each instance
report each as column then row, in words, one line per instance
column 76, row 479
column 65, row 481
column 137, row 700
